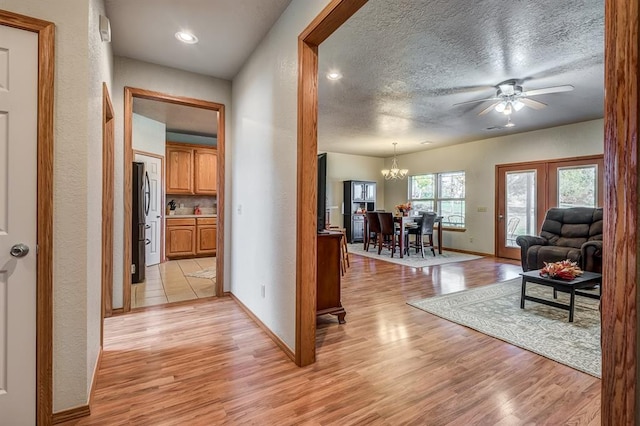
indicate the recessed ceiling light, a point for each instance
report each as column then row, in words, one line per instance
column 334, row 75
column 426, row 143
column 186, row 37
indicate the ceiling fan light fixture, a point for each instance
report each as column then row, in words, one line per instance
column 508, row 109
column 517, row 105
column 500, row 107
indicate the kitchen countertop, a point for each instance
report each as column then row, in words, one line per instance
column 187, row 216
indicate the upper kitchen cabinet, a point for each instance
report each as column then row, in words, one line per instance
column 191, row 170
column 206, row 170
column 179, row 170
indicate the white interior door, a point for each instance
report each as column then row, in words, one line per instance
column 18, row 167
column 154, row 212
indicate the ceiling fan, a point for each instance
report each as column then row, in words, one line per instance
column 512, row 97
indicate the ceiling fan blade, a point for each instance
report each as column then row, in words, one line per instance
column 547, row 90
column 477, row 100
column 532, row 103
column 489, row 108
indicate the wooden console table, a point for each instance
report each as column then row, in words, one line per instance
column 328, row 278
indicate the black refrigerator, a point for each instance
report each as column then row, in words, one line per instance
column 140, row 207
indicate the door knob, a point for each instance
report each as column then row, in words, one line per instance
column 19, row 250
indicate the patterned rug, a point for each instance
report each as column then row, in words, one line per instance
column 495, row 310
column 209, row 272
column 414, row 260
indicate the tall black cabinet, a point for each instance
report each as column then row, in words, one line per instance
column 359, row 198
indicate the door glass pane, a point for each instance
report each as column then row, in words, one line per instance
column 577, row 186
column 520, row 212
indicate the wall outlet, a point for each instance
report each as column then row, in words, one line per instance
column 471, row 239
column 262, row 290
column 239, row 209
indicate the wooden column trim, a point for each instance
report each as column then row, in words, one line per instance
column 330, row 19
column 129, row 94
column 126, row 201
column 107, row 205
column 44, row 298
column 620, row 260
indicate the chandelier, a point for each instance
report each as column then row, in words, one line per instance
column 395, row 172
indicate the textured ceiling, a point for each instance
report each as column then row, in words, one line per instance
column 179, row 118
column 228, row 30
column 406, row 62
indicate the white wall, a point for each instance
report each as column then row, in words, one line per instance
column 264, row 121
column 148, row 135
column 478, row 160
column 143, row 75
column 82, row 62
column 100, row 70
column 341, row 167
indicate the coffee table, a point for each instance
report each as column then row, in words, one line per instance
column 586, row 280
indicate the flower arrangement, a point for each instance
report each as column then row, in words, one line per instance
column 403, row 208
column 564, row 270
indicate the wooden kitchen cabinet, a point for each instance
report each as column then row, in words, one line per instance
column 179, row 170
column 181, row 238
column 206, row 235
column 191, row 169
column 206, row 170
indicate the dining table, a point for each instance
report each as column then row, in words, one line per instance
column 409, row 222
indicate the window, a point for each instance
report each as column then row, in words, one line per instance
column 441, row 192
column 577, row 186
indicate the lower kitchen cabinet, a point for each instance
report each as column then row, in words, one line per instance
column 206, row 236
column 190, row 237
column 181, row 238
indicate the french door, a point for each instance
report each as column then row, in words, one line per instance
column 525, row 191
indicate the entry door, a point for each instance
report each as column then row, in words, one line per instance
column 153, row 207
column 521, row 200
column 18, row 165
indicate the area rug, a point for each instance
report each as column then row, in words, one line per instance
column 415, row 260
column 495, row 310
column 209, row 272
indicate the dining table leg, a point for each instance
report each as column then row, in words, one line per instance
column 440, row 238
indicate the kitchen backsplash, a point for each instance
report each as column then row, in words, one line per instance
column 186, row 203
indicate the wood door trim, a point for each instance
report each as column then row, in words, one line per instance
column 129, row 94
column 330, row 19
column 620, row 262
column 189, row 145
column 108, row 190
column 162, row 196
column 44, row 280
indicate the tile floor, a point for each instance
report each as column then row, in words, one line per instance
column 167, row 282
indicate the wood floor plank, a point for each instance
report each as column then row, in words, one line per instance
column 209, row 364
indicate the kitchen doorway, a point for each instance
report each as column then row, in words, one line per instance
column 163, row 100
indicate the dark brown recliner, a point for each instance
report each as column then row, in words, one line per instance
column 573, row 233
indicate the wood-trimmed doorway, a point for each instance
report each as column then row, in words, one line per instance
column 129, row 94
column 620, row 379
column 44, row 280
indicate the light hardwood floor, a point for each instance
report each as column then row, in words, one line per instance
column 167, row 282
column 207, row 363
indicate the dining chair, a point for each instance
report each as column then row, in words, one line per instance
column 389, row 236
column 372, row 231
column 344, row 248
column 425, row 229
